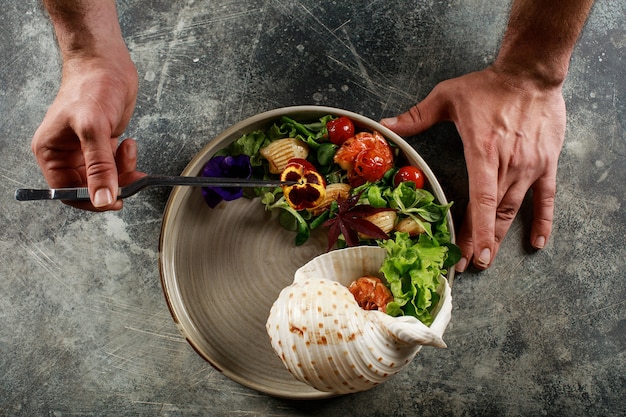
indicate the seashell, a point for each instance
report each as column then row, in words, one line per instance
column 326, row 340
column 279, row 152
column 333, row 191
column 410, row 226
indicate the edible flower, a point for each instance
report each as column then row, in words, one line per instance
column 225, row 166
column 309, row 189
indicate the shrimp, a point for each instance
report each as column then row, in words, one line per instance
column 370, row 293
column 365, row 156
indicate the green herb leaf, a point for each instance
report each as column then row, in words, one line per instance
column 325, row 153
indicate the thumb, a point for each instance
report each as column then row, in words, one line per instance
column 101, row 170
column 419, row 117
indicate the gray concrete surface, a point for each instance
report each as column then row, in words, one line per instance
column 85, row 327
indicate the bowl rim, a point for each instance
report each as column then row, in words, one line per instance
column 180, row 316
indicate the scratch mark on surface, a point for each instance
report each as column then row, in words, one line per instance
column 45, row 261
column 374, row 87
column 359, row 62
column 248, row 72
column 166, row 61
column 178, row 339
column 181, row 27
column 610, row 306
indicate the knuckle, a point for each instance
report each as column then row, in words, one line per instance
column 416, row 114
column 99, row 167
column 486, row 202
column 506, row 213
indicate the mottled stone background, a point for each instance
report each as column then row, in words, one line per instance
column 85, row 327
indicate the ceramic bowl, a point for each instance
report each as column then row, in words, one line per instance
column 223, row 268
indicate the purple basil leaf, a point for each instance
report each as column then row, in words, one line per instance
column 333, row 232
column 351, row 236
column 365, row 210
column 366, row 227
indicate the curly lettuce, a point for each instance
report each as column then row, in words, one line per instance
column 412, row 269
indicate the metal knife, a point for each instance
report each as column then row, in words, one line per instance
column 82, row 193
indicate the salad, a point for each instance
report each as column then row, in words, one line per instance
column 359, row 187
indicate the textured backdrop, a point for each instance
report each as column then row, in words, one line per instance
column 85, row 327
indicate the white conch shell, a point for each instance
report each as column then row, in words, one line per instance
column 327, row 341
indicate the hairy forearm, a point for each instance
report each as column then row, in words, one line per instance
column 85, row 28
column 540, row 37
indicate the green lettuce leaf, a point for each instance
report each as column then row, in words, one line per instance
column 412, row 270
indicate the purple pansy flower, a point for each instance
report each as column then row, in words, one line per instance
column 225, row 166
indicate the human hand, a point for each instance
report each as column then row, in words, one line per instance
column 512, row 132
column 77, row 142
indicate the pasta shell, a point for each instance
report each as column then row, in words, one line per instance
column 333, row 191
column 385, row 220
column 410, row 226
column 326, row 340
column 279, row 152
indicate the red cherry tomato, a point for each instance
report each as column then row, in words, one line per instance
column 340, row 130
column 409, row 173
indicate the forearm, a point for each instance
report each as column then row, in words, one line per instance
column 540, row 37
column 85, row 28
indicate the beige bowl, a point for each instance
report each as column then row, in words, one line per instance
column 222, row 268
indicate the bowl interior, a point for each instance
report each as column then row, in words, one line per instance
column 222, row 268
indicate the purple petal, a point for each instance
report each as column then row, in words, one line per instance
column 211, row 197
column 225, row 166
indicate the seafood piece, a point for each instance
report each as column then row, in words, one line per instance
column 279, row 152
column 370, row 293
column 365, row 156
column 325, row 339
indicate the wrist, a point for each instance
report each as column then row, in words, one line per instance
column 85, row 29
column 540, row 38
column 528, row 73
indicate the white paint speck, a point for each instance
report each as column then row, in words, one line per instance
column 300, row 48
column 150, row 76
column 603, row 176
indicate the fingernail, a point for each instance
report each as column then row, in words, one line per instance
column 461, row 265
column 132, row 149
column 540, row 242
column 484, row 258
column 389, row 122
column 103, row 197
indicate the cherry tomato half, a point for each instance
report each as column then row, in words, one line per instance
column 340, row 130
column 409, row 173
